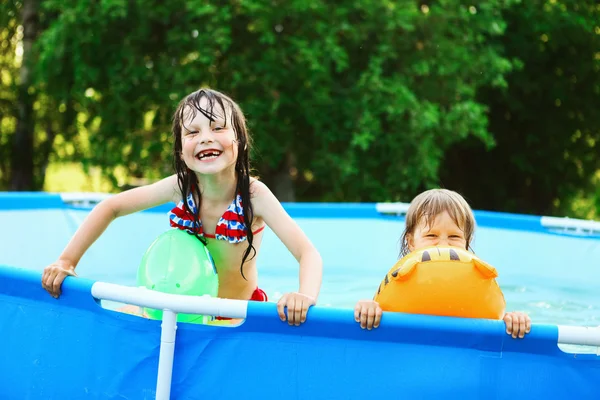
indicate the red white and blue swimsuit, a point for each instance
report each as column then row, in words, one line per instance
column 231, row 227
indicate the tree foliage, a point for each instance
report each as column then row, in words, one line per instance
column 347, row 101
column 546, row 123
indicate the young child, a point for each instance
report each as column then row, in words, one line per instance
column 437, row 217
column 218, row 201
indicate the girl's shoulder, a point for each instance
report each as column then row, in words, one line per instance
column 257, row 189
column 171, row 188
column 261, row 197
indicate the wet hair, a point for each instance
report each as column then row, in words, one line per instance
column 432, row 203
column 217, row 106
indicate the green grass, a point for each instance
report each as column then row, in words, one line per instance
column 70, row 177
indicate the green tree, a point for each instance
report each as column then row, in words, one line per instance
column 8, row 39
column 355, row 101
column 28, row 121
column 546, row 123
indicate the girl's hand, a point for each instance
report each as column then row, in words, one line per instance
column 517, row 324
column 54, row 275
column 368, row 313
column 297, row 305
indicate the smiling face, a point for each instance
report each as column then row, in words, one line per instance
column 439, row 231
column 208, row 138
column 437, row 217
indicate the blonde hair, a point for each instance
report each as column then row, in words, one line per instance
column 429, row 205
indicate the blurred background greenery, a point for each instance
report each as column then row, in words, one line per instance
column 362, row 100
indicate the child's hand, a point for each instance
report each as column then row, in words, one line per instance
column 54, row 275
column 517, row 324
column 368, row 313
column 297, row 306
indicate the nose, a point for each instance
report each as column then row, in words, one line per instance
column 205, row 136
column 442, row 242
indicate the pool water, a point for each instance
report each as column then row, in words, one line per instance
column 553, row 277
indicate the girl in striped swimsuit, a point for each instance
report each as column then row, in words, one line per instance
column 217, row 200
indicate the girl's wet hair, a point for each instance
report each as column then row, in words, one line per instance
column 429, row 205
column 218, row 105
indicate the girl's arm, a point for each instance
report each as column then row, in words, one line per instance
column 98, row 220
column 267, row 207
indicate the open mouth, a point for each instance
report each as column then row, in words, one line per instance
column 207, row 155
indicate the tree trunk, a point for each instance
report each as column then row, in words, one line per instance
column 45, row 149
column 22, row 151
column 283, row 183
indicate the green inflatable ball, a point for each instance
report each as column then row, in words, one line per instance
column 178, row 263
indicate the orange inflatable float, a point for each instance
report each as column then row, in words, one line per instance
column 446, row 281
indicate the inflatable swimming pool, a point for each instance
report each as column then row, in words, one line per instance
column 74, row 348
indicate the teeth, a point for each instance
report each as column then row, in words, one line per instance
column 208, row 155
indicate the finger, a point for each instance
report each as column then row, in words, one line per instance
column 300, row 303
column 522, row 326
column 363, row 317
column 370, row 318
column 281, row 307
column 515, row 330
column 508, row 322
column 528, row 325
column 44, row 277
column 48, row 280
column 357, row 312
column 305, row 307
column 377, row 317
column 518, row 318
column 291, row 309
column 58, row 280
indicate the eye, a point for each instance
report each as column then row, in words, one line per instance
column 431, row 235
column 190, row 133
column 218, row 126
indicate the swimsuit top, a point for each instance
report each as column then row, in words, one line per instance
column 231, row 226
